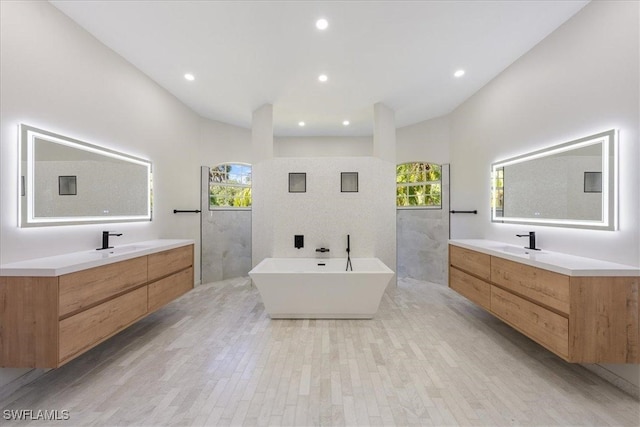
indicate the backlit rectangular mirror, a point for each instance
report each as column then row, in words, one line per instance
column 568, row 185
column 66, row 181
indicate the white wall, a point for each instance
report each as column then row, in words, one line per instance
column 222, row 143
column 426, row 141
column 580, row 80
column 57, row 77
column 322, row 146
column 323, row 214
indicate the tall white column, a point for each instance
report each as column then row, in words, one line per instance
column 261, row 207
column 384, row 148
column 262, row 134
column 384, row 133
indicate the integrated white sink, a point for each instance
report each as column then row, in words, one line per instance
column 118, row 250
column 521, row 251
column 76, row 261
column 558, row 262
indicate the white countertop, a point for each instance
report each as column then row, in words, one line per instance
column 554, row 261
column 76, row 261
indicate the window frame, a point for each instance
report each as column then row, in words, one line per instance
column 419, row 183
column 497, row 192
column 232, row 185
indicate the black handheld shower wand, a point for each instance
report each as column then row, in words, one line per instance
column 349, row 265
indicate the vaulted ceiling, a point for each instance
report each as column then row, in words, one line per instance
column 244, row 54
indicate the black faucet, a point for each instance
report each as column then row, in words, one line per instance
column 532, row 240
column 105, row 240
column 322, row 250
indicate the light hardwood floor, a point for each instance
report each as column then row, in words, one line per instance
column 429, row 357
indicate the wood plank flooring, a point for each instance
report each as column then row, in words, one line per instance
column 429, row 358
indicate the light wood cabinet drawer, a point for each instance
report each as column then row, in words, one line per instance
column 96, row 324
column 166, row 290
column 604, row 318
column 544, row 326
column 28, row 322
column 164, row 263
column 545, row 287
column 88, row 287
column 472, row 262
column 471, row 287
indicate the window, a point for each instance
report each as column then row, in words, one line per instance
column 497, row 199
column 230, row 186
column 418, row 185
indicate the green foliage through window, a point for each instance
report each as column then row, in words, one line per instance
column 230, row 186
column 418, row 185
column 497, row 195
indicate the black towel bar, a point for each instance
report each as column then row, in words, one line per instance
column 175, row 211
column 471, row 212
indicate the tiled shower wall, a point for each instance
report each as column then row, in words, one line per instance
column 422, row 239
column 226, row 239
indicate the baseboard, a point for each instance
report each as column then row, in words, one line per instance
column 13, row 386
column 621, row 383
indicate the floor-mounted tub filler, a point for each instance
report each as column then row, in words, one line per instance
column 312, row 288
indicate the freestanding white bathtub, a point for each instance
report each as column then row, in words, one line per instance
column 312, row 288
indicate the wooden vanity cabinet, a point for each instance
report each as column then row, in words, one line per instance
column 84, row 289
column 542, row 286
column 549, row 329
column 166, row 290
column 47, row 321
column 84, row 330
column 28, row 322
column 473, row 262
column 581, row 319
column 162, row 264
column 475, row 289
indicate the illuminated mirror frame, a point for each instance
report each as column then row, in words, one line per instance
column 26, row 147
column 609, row 220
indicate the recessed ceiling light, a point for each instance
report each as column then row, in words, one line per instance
column 322, row 24
column 189, row 77
column 323, row 77
column 459, row 73
column 346, row 123
column 301, row 124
